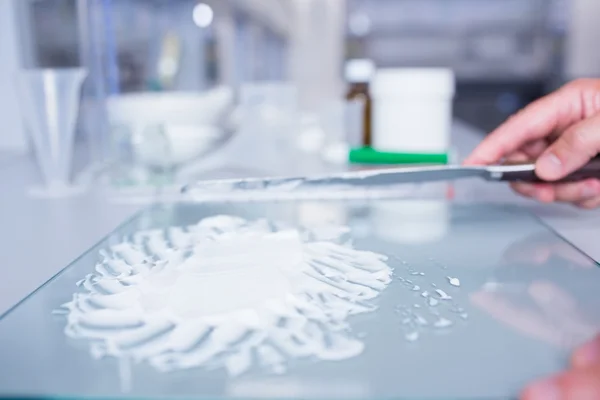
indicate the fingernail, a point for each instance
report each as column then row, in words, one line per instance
column 550, row 165
column 589, row 191
column 544, row 390
column 588, row 354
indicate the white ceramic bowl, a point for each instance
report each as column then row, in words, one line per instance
column 172, row 127
column 180, row 144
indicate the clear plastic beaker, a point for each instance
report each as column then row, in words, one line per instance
column 50, row 105
column 333, row 119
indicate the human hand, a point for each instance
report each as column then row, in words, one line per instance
column 581, row 382
column 561, row 132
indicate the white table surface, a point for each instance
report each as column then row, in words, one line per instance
column 40, row 237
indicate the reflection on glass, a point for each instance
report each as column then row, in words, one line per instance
column 536, row 299
column 526, row 326
column 412, row 221
column 228, row 294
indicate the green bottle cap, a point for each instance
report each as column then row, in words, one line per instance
column 367, row 155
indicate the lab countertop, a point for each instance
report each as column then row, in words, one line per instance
column 41, row 236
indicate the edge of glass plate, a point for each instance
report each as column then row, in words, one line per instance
column 136, row 215
column 70, row 264
column 570, row 243
column 150, row 208
column 539, row 220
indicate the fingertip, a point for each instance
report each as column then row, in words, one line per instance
column 542, row 390
column 590, row 189
column 591, row 195
column 587, row 355
column 471, row 161
column 549, row 167
column 588, row 205
column 545, row 193
column 486, row 153
column 580, row 383
column 478, row 159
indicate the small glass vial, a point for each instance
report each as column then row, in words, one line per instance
column 358, row 74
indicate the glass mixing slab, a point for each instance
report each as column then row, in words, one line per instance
column 483, row 299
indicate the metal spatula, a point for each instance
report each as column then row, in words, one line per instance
column 387, row 177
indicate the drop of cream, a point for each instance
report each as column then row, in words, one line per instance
column 420, row 320
column 454, row 281
column 443, row 323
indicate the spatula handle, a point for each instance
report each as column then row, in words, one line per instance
column 590, row 170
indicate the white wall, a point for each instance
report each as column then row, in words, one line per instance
column 240, row 55
column 583, row 47
column 483, row 39
column 12, row 134
column 316, row 50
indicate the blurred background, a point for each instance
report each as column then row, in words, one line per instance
column 505, row 52
column 291, row 53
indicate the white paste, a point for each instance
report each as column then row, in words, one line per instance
column 420, row 320
column 412, row 336
column 443, row 323
column 226, row 293
column 454, row 281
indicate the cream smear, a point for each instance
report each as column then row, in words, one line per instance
column 227, row 293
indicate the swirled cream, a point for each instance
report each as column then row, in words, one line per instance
column 227, row 293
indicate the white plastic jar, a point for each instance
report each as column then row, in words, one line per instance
column 412, row 109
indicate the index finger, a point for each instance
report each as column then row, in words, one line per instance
column 537, row 120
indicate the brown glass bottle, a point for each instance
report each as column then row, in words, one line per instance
column 359, row 91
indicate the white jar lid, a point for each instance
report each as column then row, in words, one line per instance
column 413, row 81
column 359, row 70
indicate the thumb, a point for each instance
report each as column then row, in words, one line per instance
column 587, row 355
column 580, row 384
column 573, row 149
